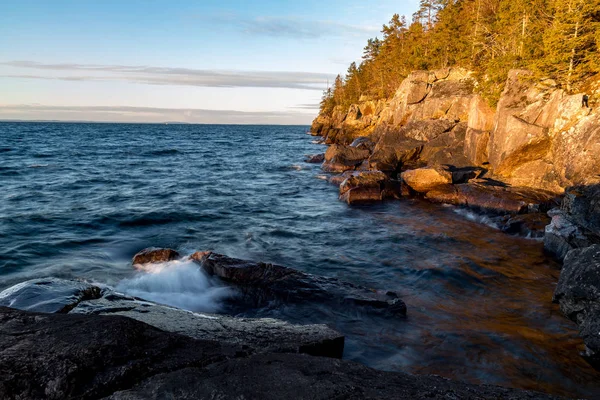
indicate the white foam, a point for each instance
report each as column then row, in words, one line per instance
column 471, row 216
column 179, row 284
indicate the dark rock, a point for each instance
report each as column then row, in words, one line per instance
column 340, row 158
column 50, row 295
column 527, row 225
column 256, row 335
column 154, row 255
column 582, row 205
column 315, row 159
column 290, row 376
column 465, row 174
column 390, row 157
column 363, row 187
column 59, row 356
column 262, row 283
column 578, row 294
column 562, row 235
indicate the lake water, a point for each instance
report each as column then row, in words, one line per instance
column 79, row 200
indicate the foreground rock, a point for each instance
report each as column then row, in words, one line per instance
column 56, row 356
column 254, row 335
column 261, row 283
column 578, row 293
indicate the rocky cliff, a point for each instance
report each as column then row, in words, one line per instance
column 537, row 137
column 535, row 158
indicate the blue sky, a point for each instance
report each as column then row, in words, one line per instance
column 208, row 61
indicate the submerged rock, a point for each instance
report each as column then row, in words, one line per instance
column 154, row 255
column 261, row 283
column 315, row 158
column 95, row 356
column 49, row 295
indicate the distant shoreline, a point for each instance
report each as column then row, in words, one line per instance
column 137, row 123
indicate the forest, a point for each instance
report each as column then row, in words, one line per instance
column 555, row 39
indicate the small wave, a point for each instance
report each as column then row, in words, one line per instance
column 180, row 284
column 43, row 155
column 317, row 142
column 322, row 177
column 297, row 167
column 5, row 149
column 472, row 216
column 38, row 165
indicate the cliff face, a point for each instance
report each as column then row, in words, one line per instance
column 537, row 137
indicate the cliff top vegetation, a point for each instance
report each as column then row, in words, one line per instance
column 555, row 39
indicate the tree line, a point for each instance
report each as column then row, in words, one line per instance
column 555, row 39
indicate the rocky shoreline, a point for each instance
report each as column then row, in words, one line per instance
column 533, row 163
column 73, row 339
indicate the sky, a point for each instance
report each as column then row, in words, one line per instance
column 203, row 61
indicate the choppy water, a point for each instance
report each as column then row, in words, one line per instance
column 78, row 200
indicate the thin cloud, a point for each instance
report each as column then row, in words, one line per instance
column 301, row 28
column 150, row 114
column 172, row 76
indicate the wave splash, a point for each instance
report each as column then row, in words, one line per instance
column 179, row 284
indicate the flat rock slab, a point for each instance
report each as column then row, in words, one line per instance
column 154, row 255
column 485, row 196
column 263, row 283
column 256, row 335
column 60, row 356
column 290, row 376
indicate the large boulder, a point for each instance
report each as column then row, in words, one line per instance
column 339, row 158
column 578, row 294
column 154, row 255
column 368, row 186
column 262, row 283
column 423, row 180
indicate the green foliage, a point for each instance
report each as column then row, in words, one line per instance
column 555, row 39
